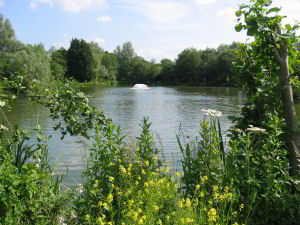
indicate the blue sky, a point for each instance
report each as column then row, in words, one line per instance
column 157, row 28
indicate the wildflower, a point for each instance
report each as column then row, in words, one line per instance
column 140, row 221
column 211, row 112
column 188, row 220
column 111, row 179
column 226, row 189
column 143, row 171
column 180, row 204
column 159, row 222
column 2, row 103
column 203, row 179
column 201, row 194
column 235, row 223
column 122, row 169
column 2, row 127
column 110, row 198
column 79, row 188
column 256, row 129
column 100, row 221
column 188, row 203
column 105, row 206
column 155, row 207
column 212, row 215
column 178, row 174
column 241, row 206
column 197, row 186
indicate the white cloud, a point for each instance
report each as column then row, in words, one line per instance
column 33, row 5
column 104, row 19
column 205, row 2
column 290, row 8
column 228, row 13
column 99, row 41
column 158, row 11
column 74, row 5
column 1, row 3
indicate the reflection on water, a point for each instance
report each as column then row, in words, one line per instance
column 167, row 109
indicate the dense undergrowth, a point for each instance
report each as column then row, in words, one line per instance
column 246, row 183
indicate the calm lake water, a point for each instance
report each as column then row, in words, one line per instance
column 168, row 108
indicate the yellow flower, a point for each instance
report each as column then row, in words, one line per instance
column 188, row 203
column 111, row 179
column 155, row 207
column 159, row 222
column 197, row 186
column 143, row 171
column 178, row 174
column 201, row 194
column 241, row 206
column 212, row 215
column 235, row 223
column 146, row 163
column 188, row 220
column 105, row 206
column 226, row 189
column 215, row 188
column 140, row 221
column 110, row 198
column 122, row 169
column 180, row 204
column 130, row 202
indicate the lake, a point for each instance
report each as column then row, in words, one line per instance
column 168, row 108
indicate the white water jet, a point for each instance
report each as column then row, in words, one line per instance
column 140, row 86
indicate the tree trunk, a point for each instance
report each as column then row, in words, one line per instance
column 289, row 110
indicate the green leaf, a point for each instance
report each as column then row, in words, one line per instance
column 251, row 31
column 238, row 27
column 288, row 27
column 238, row 13
column 275, row 9
column 243, row 6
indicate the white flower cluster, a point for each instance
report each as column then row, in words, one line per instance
column 2, row 103
column 211, row 112
column 2, row 127
column 256, row 129
column 79, row 188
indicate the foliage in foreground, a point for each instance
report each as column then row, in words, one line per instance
column 129, row 185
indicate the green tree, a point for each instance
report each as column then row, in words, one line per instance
column 109, row 60
column 187, row 66
column 58, row 63
column 31, row 63
column 270, row 52
column 124, row 55
column 80, row 61
column 167, row 71
column 8, row 44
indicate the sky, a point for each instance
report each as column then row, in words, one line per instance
column 157, row 28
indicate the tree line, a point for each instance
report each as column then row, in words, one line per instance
column 87, row 61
